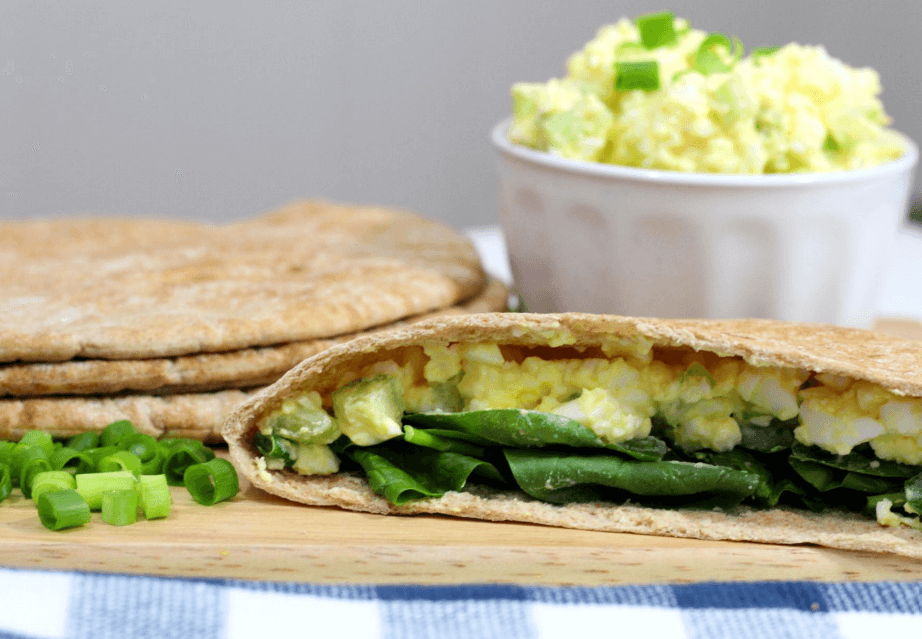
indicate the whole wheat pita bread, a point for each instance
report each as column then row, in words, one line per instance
column 109, row 288
column 892, row 362
column 198, row 414
column 194, row 415
column 242, row 368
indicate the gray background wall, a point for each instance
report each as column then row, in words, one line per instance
column 219, row 110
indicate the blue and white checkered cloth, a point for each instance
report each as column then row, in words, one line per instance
column 37, row 604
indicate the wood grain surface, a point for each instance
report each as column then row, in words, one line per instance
column 257, row 536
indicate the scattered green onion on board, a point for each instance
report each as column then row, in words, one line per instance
column 51, row 480
column 91, row 486
column 120, row 507
column 116, row 472
column 211, row 482
column 155, row 496
column 6, row 481
column 60, row 509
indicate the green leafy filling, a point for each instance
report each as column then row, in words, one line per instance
column 556, row 459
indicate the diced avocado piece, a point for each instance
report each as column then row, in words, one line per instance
column 446, row 397
column 440, row 397
column 302, row 419
column 316, row 459
column 369, row 410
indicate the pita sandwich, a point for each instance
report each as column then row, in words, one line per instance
column 199, row 372
column 749, row 430
column 195, row 414
column 104, row 288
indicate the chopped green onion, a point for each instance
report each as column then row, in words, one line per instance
column 96, row 454
column 637, row 75
column 761, row 52
column 120, row 507
column 156, row 500
column 6, row 451
column 51, row 480
column 657, row 29
column 708, row 61
column 166, row 443
column 147, row 450
column 180, row 457
column 275, row 447
column 6, row 481
column 831, row 144
column 33, row 461
column 211, row 482
column 120, row 460
column 59, row 509
column 72, row 460
column 84, row 441
column 91, row 486
column 38, row 438
column 112, row 433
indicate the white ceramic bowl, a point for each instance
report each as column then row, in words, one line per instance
column 610, row 239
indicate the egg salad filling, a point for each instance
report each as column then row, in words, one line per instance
column 656, row 93
column 621, row 422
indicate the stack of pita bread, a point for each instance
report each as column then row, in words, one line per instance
column 172, row 324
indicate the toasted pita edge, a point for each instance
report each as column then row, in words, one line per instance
column 892, row 362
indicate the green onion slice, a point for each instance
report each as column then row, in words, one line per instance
column 761, row 52
column 51, row 480
column 91, row 486
column 707, row 60
column 642, row 75
column 38, row 438
column 84, row 441
column 657, row 29
column 120, row 507
column 6, row 481
column 6, row 451
column 147, row 449
column 96, row 454
column 211, row 482
column 59, row 509
column 33, row 461
column 72, row 460
column 181, row 456
column 112, row 433
column 156, row 500
column 120, row 460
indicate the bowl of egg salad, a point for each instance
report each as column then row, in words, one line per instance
column 671, row 173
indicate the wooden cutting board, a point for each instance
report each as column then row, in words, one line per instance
column 258, row 536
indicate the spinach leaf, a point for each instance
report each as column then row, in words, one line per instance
column 859, row 461
column 533, row 429
column 741, row 460
column 561, row 477
column 400, row 472
column 827, row 478
column 776, row 436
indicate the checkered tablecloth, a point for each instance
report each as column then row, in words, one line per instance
column 79, row 605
